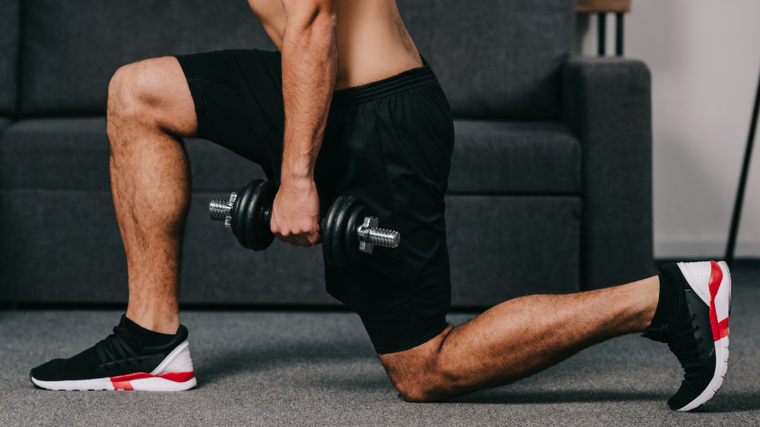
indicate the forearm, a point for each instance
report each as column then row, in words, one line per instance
column 309, row 66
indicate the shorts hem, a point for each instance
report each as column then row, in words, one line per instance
column 386, row 340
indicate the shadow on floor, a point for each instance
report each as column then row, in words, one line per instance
column 507, row 396
column 721, row 403
column 247, row 361
column 731, row 402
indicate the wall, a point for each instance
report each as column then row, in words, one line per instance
column 705, row 59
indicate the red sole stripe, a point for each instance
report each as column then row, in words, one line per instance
column 122, row 382
column 719, row 329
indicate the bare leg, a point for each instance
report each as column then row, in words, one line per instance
column 149, row 109
column 518, row 338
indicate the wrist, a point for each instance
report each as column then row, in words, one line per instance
column 298, row 162
column 299, row 181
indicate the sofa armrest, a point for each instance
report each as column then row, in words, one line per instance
column 607, row 103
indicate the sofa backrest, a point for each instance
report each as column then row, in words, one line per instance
column 494, row 58
column 71, row 48
column 9, row 39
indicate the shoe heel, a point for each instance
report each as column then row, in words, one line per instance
column 178, row 360
column 697, row 275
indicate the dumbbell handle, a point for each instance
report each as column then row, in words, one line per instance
column 369, row 233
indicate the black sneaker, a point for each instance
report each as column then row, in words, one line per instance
column 119, row 363
column 698, row 335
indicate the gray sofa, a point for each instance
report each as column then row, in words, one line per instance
column 550, row 189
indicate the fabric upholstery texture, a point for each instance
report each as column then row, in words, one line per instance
column 55, row 154
column 607, row 103
column 72, row 48
column 72, row 153
column 503, row 247
column 66, row 248
column 533, row 157
column 4, row 123
column 9, row 41
column 508, row 54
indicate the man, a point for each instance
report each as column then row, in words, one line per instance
column 348, row 106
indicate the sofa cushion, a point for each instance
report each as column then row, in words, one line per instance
column 72, row 154
column 489, row 157
column 4, row 122
column 72, row 48
column 64, row 246
column 55, row 154
column 500, row 247
column 515, row 157
column 9, row 37
column 495, row 58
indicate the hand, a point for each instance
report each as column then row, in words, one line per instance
column 295, row 213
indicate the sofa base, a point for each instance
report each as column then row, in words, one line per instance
column 64, row 247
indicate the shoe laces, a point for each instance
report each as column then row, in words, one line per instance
column 681, row 341
column 116, row 347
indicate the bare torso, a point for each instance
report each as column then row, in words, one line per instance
column 372, row 41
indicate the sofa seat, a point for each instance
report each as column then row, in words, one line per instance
column 72, row 153
column 531, row 157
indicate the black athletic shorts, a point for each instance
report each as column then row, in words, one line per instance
column 388, row 142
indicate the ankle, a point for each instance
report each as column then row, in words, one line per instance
column 156, row 322
column 650, row 300
column 669, row 298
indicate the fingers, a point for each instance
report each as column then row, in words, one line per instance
column 303, row 236
column 317, row 238
column 305, row 240
column 314, row 238
column 295, row 215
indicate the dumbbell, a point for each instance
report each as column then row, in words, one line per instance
column 347, row 228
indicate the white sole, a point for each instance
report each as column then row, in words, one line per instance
column 144, row 384
column 694, row 274
column 174, row 373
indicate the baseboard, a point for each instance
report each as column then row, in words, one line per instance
column 739, row 263
column 702, row 249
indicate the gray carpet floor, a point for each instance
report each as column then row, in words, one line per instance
column 278, row 368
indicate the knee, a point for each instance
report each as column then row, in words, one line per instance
column 430, row 386
column 133, row 89
column 123, row 92
column 427, row 382
column 424, row 373
column 414, row 391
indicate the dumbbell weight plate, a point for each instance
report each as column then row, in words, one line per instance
column 256, row 209
column 340, row 229
column 260, row 236
column 328, row 228
column 239, row 219
column 351, row 239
